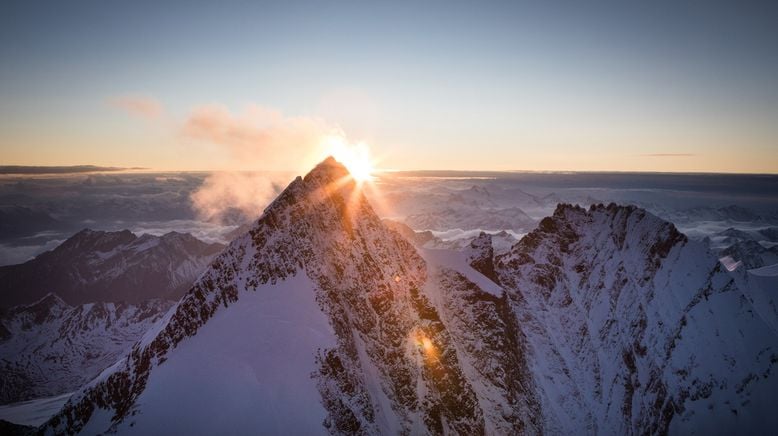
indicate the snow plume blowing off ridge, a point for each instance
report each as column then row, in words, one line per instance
column 226, row 194
column 258, row 138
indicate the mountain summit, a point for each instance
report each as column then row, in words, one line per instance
column 633, row 328
column 322, row 320
column 312, row 321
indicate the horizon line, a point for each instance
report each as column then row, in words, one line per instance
column 48, row 170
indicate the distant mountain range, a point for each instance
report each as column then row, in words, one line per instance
column 117, row 285
column 73, row 169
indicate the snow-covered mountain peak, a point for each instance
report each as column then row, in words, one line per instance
column 621, row 228
column 328, row 171
column 49, row 300
column 632, row 326
column 320, row 244
column 329, row 189
column 480, row 255
column 49, row 307
column 109, row 266
column 92, row 240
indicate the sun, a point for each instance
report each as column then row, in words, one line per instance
column 355, row 157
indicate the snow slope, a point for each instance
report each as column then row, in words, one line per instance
column 33, row 412
column 266, row 380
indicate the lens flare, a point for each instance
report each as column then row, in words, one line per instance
column 426, row 343
column 355, row 157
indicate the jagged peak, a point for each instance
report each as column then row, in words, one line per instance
column 562, row 208
column 91, row 233
column 179, row 236
column 86, row 231
column 329, row 174
column 482, row 240
column 569, row 212
column 329, row 171
column 50, row 299
column 570, row 223
column 96, row 239
column 85, row 234
column 480, row 255
column 42, row 309
column 480, row 247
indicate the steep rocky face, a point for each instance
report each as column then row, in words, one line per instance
column 480, row 255
column 416, row 238
column 111, row 267
column 50, row 347
column 491, row 347
column 368, row 284
column 631, row 328
column 393, row 365
column 751, row 254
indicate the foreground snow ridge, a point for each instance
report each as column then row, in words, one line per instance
column 322, row 320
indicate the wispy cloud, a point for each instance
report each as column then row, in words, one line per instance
column 143, row 106
column 258, row 134
column 257, row 138
column 669, row 155
column 226, row 196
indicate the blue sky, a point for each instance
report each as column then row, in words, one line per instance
column 660, row 86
